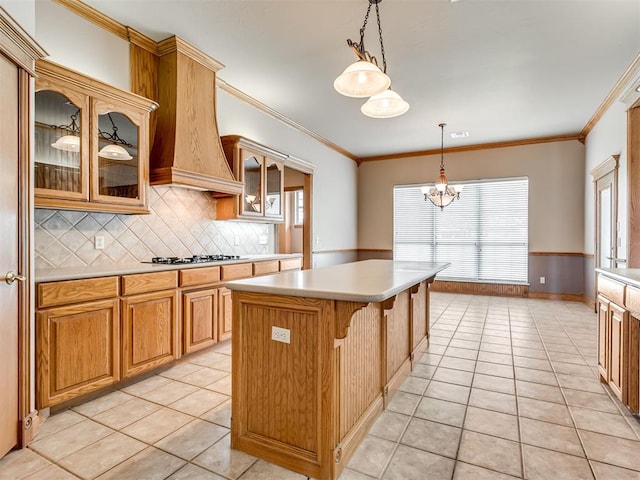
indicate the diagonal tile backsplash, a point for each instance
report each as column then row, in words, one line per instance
column 181, row 223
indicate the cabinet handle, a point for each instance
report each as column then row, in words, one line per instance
column 11, row 277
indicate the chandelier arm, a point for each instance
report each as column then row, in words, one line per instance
column 362, row 29
column 384, row 60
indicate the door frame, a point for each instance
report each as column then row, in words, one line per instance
column 21, row 49
column 307, row 170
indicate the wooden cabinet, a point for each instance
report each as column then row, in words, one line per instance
column 199, row 319
column 224, row 314
column 91, row 143
column 261, row 170
column 77, row 338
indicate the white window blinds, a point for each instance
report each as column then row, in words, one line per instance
column 484, row 234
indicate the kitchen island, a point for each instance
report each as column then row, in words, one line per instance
column 318, row 354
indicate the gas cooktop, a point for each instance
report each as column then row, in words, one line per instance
column 193, row 259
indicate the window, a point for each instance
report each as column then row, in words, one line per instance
column 484, row 235
column 298, row 207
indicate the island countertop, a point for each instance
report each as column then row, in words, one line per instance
column 365, row 281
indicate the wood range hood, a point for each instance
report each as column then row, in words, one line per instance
column 187, row 151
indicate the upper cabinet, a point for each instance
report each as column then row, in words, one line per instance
column 261, row 170
column 91, row 143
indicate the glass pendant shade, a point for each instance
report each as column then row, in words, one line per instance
column 387, row 104
column 67, row 143
column 361, row 79
column 114, row 152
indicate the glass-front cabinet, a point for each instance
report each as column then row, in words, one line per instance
column 261, row 170
column 91, row 144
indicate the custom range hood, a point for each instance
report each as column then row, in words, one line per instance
column 186, row 150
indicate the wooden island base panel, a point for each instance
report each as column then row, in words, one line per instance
column 318, row 354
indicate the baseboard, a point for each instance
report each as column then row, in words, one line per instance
column 565, row 297
column 474, row 288
column 29, row 427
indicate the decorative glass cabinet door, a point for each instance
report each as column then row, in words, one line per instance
column 61, row 145
column 252, row 201
column 274, row 188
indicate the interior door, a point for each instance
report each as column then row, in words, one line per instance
column 606, row 217
column 9, row 255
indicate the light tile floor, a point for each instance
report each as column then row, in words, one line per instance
column 508, row 389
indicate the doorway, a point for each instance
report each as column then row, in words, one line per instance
column 294, row 234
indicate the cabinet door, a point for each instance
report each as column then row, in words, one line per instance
column 618, row 337
column 633, row 359
column 199, row 316
column 77, row 349
column 252, row 172
column 603, row 338
column 224, row 317
column 61, row 144
column 274, row 188
column 149, row 331
column 118, row 142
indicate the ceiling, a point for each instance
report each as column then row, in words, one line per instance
column 503, row 70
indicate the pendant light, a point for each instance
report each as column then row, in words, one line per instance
column 69, row 143
column 365, row 79
column 442, row 194
column 114, row 151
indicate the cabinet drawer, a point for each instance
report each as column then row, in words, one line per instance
column 149, row 282
column 74, row 291
column 199, row 276
column 611, row 289
column 263, row 268
column 290, row 264
column 632, row 299
column 238, row 270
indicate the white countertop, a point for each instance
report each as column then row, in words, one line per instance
column 626, row 275
column 92, row 271
column 366, row 281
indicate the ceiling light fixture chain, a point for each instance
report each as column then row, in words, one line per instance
column 442, row 194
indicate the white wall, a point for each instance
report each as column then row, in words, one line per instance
column 23, row 12
column 556, row 190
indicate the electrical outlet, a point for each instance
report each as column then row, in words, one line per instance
column 280, row 334
column 542, row 279
column 263, row 240
column 236, row 240
column 98, row 242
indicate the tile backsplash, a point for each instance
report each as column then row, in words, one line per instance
column 181, row 223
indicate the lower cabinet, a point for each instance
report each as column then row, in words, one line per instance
column 78, row 350
column 149, row 331
column 224, row 314
column 199, row 319
column 612, row 346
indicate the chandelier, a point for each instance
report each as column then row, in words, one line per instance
column 365, row 79
column 442, row 194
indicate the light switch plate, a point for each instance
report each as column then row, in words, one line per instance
column 98, row 242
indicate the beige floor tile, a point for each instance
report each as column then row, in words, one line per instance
column 433, row 437
column 595, row 401
column 545, row 411
column 58, row 422
column 203, row 376
column 495, row 348
column 221, row 415
column 527, row 344
column 348, row 474
column 436, row 349
column 536, row 376
column 411, row 464
column 602, row 422
column 435, row 338
column 222, row 460
column 147, row 385
column 221, row 386
column 224, row 347
column 448, row 391
column 415, row 385
column 494, row 340
column 529, row 353
column 539, row 391
column 193, row 472
column 458, row 377
column 99, row 457
column 462, row 353
column 465, row 471
column 389, row 425
column 127, row 413
column 199, row 402
column 609, row 472
column 580, row 383
column 101, row 404
column 157, row 425
column 372, row 456
column 492, row 423
column 180, row 370
column 441, row 411
column 150, row 464
column 423, row 371
column 70, row 440
column 541, row 464
column 262, row 470
column 223, row 364
column 465, row 344
column 191, row 440
column 403, row 402
column 551, row 436
column 534, row 363
column 471, row 337
column 490, row 452
column 496, row 401
column 494, row 384
column 494, row 369
column 430, row 359
column 52, row 472
column 567, row 358
column 169, row 393
column 492, row 357
column 18, row 463
column 497, row 331
column 457, row 363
